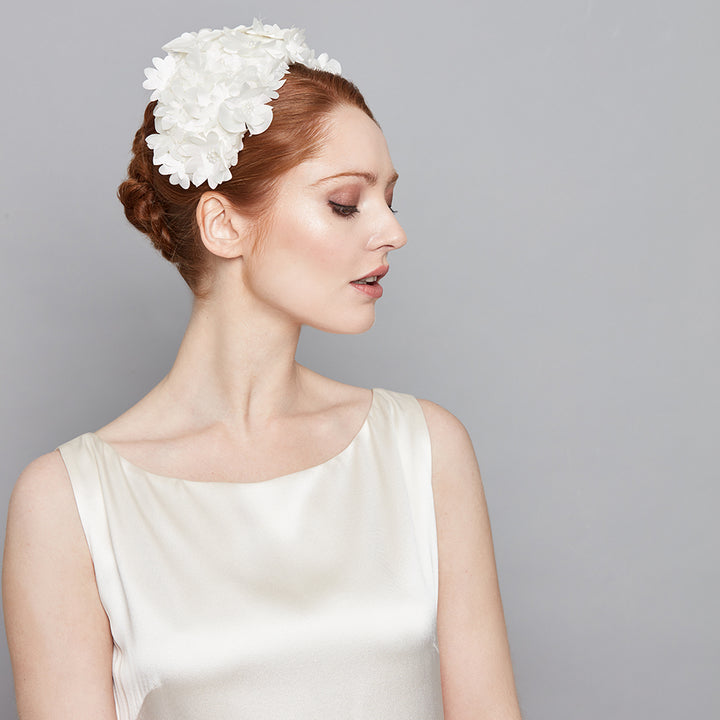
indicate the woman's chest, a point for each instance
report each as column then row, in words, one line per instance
column 255, row 599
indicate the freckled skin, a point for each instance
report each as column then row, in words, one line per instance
column 314, row 249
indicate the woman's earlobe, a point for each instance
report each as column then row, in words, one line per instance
column 223, row 229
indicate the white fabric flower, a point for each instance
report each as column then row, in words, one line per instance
column 213, row 87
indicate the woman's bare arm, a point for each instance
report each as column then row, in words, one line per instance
column 58, row 632
column 477, row 676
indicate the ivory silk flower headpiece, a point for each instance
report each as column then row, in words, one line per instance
column 213, row 87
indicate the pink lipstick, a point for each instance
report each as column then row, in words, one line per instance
column 370, row 284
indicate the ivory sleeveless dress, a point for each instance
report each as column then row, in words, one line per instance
column 310, row 596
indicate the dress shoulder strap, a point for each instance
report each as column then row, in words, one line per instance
column 89, row 480
column 400, row 422
column 82, row 467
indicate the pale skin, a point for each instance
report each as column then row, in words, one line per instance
column 237, row 407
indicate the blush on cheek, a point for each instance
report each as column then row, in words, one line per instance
column 324, row 255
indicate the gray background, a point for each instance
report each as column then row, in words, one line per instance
column 559, row 166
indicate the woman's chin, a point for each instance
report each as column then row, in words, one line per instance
column 348, row 325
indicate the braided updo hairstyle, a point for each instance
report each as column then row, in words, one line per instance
column 166, row 213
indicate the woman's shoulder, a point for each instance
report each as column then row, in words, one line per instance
column 42, row 512
column 41, row 486
column 43, row 534
column 443, row 425
column 453, row 455
column 450, row 444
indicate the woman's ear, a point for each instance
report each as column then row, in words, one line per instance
column 223, row 230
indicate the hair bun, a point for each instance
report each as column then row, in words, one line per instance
column 143, row 207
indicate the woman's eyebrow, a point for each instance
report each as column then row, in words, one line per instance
column 369, row 177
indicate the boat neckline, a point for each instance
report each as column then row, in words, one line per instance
column 313, row 468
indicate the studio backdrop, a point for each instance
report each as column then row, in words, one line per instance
column 559, row 293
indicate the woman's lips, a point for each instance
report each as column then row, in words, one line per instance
column 373, row 289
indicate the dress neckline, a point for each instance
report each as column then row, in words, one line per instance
column 364, row 428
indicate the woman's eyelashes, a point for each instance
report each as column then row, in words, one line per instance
column 342, row 209
column 348, row 211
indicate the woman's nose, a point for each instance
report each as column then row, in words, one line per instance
column 390, row 234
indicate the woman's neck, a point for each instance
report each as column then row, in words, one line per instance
column 236, row 362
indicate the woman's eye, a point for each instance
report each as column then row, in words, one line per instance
column 343, row 210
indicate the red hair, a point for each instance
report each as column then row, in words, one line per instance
column 166, row 213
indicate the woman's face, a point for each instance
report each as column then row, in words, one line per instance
column 331, row 225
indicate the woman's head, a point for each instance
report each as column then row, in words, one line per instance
column 166, row 212
column 327, row 240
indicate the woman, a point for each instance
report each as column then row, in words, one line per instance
column 252, row 539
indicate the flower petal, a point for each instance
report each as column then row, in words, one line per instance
column 212, row 88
